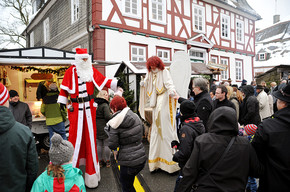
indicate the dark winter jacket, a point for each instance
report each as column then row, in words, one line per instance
column 191, row 128
column 103, row 115
column 217, row 103
column 21, row 113
column 18, row 156
column 271, row 143
column 204, row 106
column 126, row 132
column 249, row 111
column 51, row 109
column 232, row 172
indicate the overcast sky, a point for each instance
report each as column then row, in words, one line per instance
column 266, row 9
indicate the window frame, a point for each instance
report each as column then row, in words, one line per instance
column 228, row 69
column 168, row 50
column 241, row 69
column 228, row 18
column 139, row 9
column 195, row 58
column 31, row 39
column 260, row 58
column 139, row 46
column 164, row 9
column 198, row 7
column 216, row 77
column 73, row 17
column 46, row 30
column 242, row 31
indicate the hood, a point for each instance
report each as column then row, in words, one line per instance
column 196, row 124
column 116, row 121
column 223, row 120
column 248, row 90
column 283, row 115
column 101, row 101
column 7, row 120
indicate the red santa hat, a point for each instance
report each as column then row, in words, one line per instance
column 4, row 95
column 81, row 53
column 250, row 129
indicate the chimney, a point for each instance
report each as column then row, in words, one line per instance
column 276, row 19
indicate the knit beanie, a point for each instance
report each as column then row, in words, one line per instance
column 61, row 151
column 4, row 95
column 187, row 107
column 13, row 93
column 250, row 129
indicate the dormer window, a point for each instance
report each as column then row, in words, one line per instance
column 262, row 56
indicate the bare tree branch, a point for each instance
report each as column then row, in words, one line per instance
column 10, row 31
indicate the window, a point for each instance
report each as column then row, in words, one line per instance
column 163, row 54
column 225, row 26
column 197, row 55
column 239, row 67
column 131, row 8
column 138, row 53
column 46, row 34
column 198, row 20
column 214, row 59
column 31, row 38
column 224, row 74
column 240, row 31
column 157, row 11
column 75, row 10
column 262, row 56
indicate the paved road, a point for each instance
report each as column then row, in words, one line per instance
column 158, row 181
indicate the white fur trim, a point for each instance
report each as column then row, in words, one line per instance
column 118, row 119
column 91, row 135
column 101, row 86
column 62, row 99
column 79, row 136
column 92, row 181
column 73, row 90
column 114, row 85
column 82, row 56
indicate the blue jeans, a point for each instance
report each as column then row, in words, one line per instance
column 252, row 184
column 58, row 128
column 127, row 177
column 178, row 179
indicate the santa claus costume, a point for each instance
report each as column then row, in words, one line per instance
column 78, row 83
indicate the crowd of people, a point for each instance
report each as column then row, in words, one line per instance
column 228, row 135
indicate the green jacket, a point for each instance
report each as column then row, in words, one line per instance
column 51, row 110
column 18, row 155
column 73, row 181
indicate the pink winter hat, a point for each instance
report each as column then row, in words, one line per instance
column 250, row 129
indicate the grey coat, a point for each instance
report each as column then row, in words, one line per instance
column 125, row 132
column 22, row 113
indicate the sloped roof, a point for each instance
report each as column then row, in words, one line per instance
column 242, row 5
column 276, row 32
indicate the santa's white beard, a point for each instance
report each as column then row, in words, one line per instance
column 84, row 69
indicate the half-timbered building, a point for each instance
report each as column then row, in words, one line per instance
column 218, row 31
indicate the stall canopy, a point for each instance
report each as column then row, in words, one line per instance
column 40, row 56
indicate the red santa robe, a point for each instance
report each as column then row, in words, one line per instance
column 82, row 131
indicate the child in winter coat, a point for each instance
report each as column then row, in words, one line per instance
column 191, row 127
column 55, row 116
column 60, row 175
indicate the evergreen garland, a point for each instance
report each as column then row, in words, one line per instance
column 59, row 71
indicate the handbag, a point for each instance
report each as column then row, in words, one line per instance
column 195, row 186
